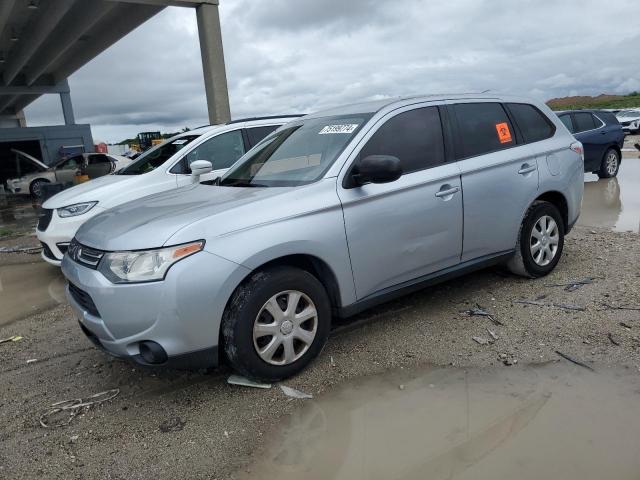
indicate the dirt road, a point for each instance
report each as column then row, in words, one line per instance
column 190, row 425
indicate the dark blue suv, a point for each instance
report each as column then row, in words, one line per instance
column 601, row 136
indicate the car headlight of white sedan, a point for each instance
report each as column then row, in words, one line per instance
column 75, row 209
column 145, row 265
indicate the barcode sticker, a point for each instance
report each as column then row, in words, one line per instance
column 346, row 128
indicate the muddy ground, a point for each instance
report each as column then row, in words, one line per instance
column 167, row 424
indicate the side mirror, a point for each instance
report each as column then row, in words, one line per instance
column 377, row 169
column 199, row 167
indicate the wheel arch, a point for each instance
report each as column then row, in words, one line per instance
column 559, row 201
column 43, row 179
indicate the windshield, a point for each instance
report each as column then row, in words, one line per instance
column 629, row 113
column 153, row 158
column 296, row 155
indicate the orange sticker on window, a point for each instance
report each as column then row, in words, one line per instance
column 504, row 135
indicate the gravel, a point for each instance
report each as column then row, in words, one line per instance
column 167, row 424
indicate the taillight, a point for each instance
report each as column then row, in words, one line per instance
column 577, row 147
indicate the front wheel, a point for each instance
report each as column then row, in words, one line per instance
column 540, row 241
column 276, row 323
column 37, row 188
column 610, row 164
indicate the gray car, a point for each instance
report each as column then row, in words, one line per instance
column 329, row 215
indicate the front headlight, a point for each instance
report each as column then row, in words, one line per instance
column 145, row 265
column 75, row 209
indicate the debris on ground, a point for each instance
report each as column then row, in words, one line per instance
column 333, row 364
column 531, row 302
column 175, row 424
column 32, row 360
column 613, row 340
column 569, row 306
column 619, row 307
column 573, row 360
column 572, row 285
column 628, row 327
column 508, row 359
column 401, row 387
column 492, row 334
column 74, row 406
column 15, row 338
column 480, row 340
column 480, row 312
column 293, row 393
column 566, row 306
column 246, row 382
column 21, row 249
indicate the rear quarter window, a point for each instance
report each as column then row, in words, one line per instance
column 533, row 124
column 584, row 121
column 483, row 128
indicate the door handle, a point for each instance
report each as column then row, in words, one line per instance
column 446, row 190
column 526, row 168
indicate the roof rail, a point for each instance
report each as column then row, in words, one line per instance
column 269, row 117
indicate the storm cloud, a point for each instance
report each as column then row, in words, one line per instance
column 286, row 56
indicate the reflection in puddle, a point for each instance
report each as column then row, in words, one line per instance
column 553, row 421
column 28, row 288
column 613, row 203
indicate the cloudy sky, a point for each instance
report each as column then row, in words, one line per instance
column 288, row 56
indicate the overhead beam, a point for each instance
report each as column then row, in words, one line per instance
column 5, row 10
column 45, row 22
column 171, row 3
column 62, row 87
column 80, row 20
column 126, row 18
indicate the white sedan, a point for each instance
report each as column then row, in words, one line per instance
column 163, row 167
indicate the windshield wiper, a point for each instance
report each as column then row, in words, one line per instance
column 244, row 184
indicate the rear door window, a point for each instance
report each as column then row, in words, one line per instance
column 566, row 119
column 255, row 134
column 584, row 121
column 483, row 128
column 532, row 123
column 414, row 137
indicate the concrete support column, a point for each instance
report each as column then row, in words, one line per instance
column 67, row 107
column 215, row 76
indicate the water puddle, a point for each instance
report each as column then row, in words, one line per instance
column 552, row 421
column 613, row 203
column 28, row 288
column 17, row 214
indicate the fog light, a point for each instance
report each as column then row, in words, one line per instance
column 152, row 352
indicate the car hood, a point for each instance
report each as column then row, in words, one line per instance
column 153, row 221
column 107, row 188
column 628, row 119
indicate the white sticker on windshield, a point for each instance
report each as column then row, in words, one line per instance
column 180, row 141
column 346, row 128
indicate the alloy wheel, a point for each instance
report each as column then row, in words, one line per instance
column 544, row 240
column 611, row 163
column 285, row 327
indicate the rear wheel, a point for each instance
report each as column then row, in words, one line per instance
column 276, row 323
column 610, row 164
column 540, row 241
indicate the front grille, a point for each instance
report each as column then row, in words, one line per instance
column 625, row 124
column 83, row 299
column 47, row 251
column 45, row 219
column 89, row 257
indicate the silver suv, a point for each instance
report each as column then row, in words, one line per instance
column 329, row 215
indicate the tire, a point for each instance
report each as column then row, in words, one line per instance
column 523, row 262
column 610, row 164
column 252, row 353
column 36, row 188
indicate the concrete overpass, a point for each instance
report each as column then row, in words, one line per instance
column 43, row 42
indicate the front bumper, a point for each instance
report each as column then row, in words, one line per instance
column 182, row 313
